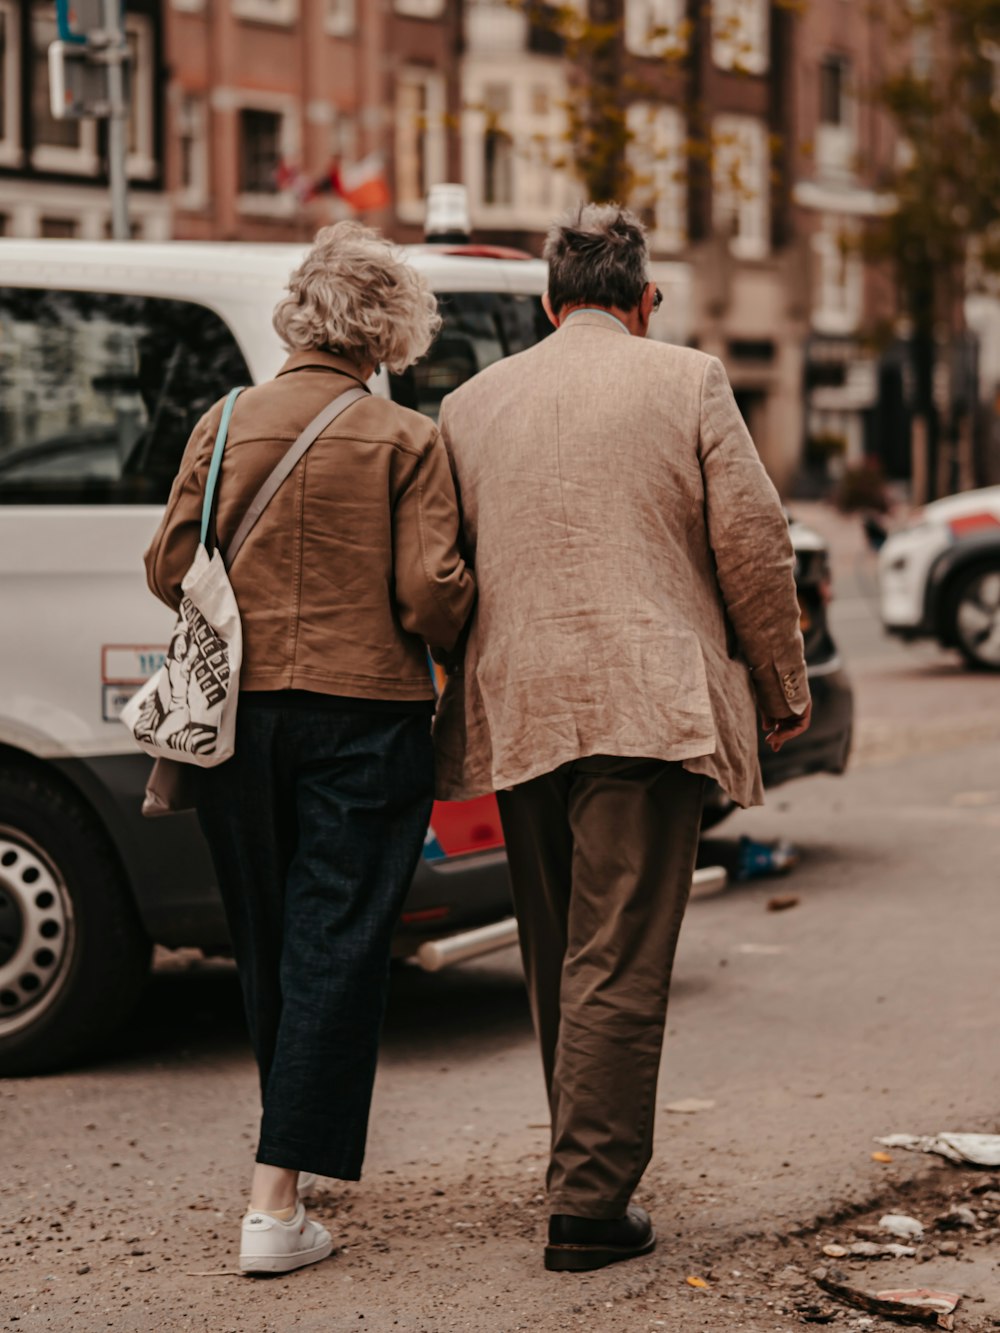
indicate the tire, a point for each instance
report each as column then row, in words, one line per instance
column 974, row 617
column 73, row 954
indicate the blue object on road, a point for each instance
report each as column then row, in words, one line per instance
column 765, row 858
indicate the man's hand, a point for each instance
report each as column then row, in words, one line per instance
column 782, row 729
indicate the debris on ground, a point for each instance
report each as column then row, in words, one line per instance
column 957, row 1218
column 689, row 1106
column 899, row 1224
column 783, row 903
column 918, row 1305
column 965, row 1149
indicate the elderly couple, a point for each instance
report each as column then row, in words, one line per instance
column 631, row 617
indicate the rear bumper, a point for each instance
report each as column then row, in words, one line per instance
column 167, row 863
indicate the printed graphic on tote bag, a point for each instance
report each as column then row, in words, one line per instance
column 184, row 711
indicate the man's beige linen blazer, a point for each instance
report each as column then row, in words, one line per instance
column 635, row 572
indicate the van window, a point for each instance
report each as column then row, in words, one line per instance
column 478, row 328
column 99, row 392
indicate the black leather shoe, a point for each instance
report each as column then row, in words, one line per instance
column 578, row 1244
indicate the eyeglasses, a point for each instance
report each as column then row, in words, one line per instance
column 657, row 300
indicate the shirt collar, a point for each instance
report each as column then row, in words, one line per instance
column 586, row 315
column 318, row 359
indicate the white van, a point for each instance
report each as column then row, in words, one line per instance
column 109, row 354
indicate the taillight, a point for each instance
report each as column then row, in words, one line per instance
column 426, row 914
column 969, row 524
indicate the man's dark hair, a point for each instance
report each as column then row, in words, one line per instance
column 597, row 255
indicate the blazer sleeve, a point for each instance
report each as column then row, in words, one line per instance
column 755, row 562
column 176, row 539
column 435, row 589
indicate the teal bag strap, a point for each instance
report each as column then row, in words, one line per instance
column 216, row 464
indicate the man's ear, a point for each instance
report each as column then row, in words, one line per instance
column 646, row 306
column 547, row 307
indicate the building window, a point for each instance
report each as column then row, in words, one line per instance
column 260, row 151
column 498, row 146
column 58, row 229
column 514, row 143
column 839, row 288
column 267, row 11
column 340, row 17
column 141, row 143
column 192, row 147
column 740, row 35
column 10, row 92
column 58, row 145
column 836, row 134
column 741, row 184
column 420, row 9
column 421, row 151
column 657, row 156
column 833, row 91
column 656, row 28
column 267, row 160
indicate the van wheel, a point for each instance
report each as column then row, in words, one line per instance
column 73, row 954
column 975, row 617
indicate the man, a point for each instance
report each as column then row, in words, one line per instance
column 636, row 592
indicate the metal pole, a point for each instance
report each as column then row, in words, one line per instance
column 116, row 54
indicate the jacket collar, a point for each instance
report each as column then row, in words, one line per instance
column 595, row 319
column 317, row 359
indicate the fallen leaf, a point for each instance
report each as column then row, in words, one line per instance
column 881, row 1157
column 782, row 904
column 697, row 1282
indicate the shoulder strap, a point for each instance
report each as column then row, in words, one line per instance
column 216, row 463
column 267, row 492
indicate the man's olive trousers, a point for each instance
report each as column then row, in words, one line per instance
column 601, row 853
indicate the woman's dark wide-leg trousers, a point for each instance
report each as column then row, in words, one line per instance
column 315, row 827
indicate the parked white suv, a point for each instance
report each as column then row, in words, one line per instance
column 939, row 576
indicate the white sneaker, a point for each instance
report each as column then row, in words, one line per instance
column 270, row 1246
column 307, row 1183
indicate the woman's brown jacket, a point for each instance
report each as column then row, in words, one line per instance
column 354, row 564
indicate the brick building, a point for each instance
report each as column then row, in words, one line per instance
column 268, row 97
column 841, row 161
column 757, row 155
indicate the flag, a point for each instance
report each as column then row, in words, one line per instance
column 328, row 183
column 364, row 184
column 291, row 178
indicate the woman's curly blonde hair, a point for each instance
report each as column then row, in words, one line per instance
column 355, row 294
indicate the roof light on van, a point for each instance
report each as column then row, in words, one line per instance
column 447, row 221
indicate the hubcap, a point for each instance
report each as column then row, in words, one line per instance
column 978, row 619
column 36, row 931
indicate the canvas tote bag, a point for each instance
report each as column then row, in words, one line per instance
column 185, row 714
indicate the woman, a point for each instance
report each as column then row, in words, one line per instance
column 316, row 824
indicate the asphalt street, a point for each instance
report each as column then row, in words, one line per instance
column 866, row 1008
